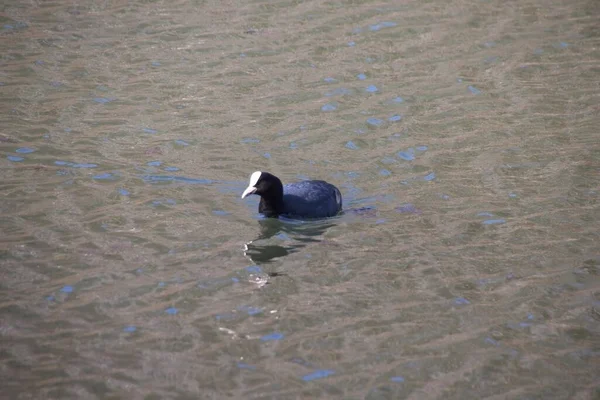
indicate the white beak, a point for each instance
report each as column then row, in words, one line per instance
column 249, row 190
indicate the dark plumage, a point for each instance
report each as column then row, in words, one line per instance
column 306, row 199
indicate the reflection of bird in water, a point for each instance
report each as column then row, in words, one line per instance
column 295, row 233
column 262, row 254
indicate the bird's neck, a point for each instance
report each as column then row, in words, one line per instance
column 272, row 206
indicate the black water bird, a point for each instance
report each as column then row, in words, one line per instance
column 305, row 199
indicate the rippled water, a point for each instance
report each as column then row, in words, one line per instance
column 463, row 136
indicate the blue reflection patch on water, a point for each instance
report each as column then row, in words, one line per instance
column 318, row 374
column 385, row 172
column 254, row 269
column 75, row 165
column 421, row 148
column 67, row 289
column 375, row 121
column 181, row 142
column 83, row 165
column 397, row 379
column 351, row 145
column 171, row 310
column 250, row 140
column 171, row 178
column 408, row 208
column 220, row 212
column 491, row 341
column 329, row 107
column 242, row 365
column 171, row 169
column 300, row 361
column 429, row 177
column 330, row 80
column 103, row 100
column 494, row 221
column 351, row 44
column 473, row 90
column 155, row 64
column 338, row 92
column 381, row 25
column 154, row 163
column 130, row 329
column 150, row 131
column 395, row 118
column 461, row 301
column 250, row 310
column 14, row 158
column 104, row 176
column 164, row 201
column 361, row 77
column 124, row 192
column 407, row 155
column 371, row 89
column 515, row 326
column 25, row 150
column 272, row 336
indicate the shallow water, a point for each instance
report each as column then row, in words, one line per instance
column 463, row 136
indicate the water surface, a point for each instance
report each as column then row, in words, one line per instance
column 463, row 136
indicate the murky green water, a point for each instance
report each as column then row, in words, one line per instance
column 463, row 135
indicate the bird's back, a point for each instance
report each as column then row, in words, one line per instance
column 311, row 199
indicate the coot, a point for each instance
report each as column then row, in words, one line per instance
column 306, row 199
